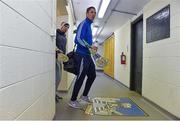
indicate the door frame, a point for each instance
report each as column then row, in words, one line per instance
column 132, row 60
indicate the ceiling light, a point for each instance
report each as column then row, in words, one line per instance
column 103, row 8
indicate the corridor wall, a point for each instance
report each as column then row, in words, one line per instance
column 122, row 44
column 27, row 59
column 161, row 59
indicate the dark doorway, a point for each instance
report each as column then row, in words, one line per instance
column 136, row 55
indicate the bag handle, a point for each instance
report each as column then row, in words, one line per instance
column 74, row 48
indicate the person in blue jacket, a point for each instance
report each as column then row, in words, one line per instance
column 85, row 62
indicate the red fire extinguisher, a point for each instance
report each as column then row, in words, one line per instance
column 123, row 58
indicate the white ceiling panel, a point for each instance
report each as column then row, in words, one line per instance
column 115, row 21
column 80, row 7
column 133, row 6
column 112, row 20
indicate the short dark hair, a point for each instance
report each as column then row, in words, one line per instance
column 66, row 24
column 88, row 9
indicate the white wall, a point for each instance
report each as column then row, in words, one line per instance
column 27, row 59
column 122, row 44
column 161, row 61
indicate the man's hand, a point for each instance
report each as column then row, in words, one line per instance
column 94, row 49
column 59, row 51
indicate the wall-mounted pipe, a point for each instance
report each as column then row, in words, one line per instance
column 124, row 12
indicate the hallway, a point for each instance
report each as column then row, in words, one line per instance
column 135, row 45
column 105, row 86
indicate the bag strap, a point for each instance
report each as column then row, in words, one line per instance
column 74, row 47
column 86, row 44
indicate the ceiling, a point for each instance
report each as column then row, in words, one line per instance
column 112, row 19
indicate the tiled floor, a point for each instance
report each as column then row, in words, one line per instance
column 105, row 86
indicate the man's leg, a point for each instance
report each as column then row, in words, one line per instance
column 58, row 78
column 80, row 78
column 91, row 74
column 57, row 74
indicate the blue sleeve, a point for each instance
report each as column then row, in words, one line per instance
column 81, row 34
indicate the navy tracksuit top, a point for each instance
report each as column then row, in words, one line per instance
column 84, row 33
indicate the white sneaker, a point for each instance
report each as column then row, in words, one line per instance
column 86, row 99
column 74, row 104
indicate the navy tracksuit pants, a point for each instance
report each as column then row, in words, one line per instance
column 86, row 67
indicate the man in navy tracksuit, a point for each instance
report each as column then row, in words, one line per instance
column 85, row 62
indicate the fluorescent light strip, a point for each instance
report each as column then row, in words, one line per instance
column 103, row 8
